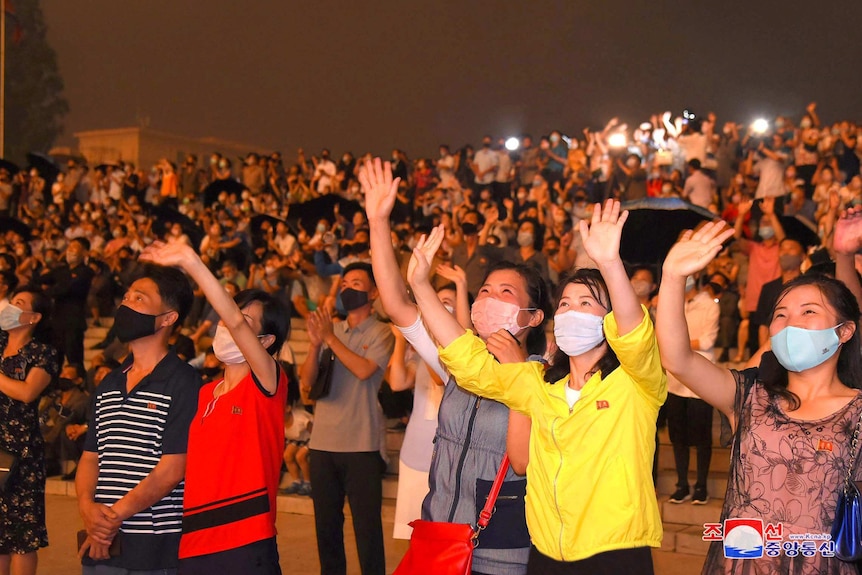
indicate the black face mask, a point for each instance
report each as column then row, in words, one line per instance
column 130, row 325
column 469, row 229
column 65, row 384
column 353, row 299
column 360, row 247
column 716, row 288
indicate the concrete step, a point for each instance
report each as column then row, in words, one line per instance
column 690, row 540
column 302, row 505
column 668, row 540
column 394, row 439
column 687, row 514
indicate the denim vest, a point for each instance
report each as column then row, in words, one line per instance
column 468, row 449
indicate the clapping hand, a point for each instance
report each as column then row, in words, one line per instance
column 379, row 188
column 695, row 249
column 319, row 325
column 419, row 268
column 601, row 237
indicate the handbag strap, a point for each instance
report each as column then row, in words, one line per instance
column 853, row 448
column 488, row 510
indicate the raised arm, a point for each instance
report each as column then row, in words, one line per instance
column 253, row 348
column 601, row 240
column 380, row 190
column 688, row 256
column 846, row 242
column 462, row 297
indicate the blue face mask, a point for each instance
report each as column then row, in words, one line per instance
column 798, row 349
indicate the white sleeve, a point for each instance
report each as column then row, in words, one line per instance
column 418, row 336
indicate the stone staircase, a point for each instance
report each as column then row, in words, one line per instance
column 683, row 523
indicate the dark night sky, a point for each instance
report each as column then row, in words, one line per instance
column 373, row 75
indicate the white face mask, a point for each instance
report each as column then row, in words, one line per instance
column 577, row 332
column 10, row 317
column 225, row 348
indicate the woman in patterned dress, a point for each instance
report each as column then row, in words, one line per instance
column 26, row 368
column 793, row 417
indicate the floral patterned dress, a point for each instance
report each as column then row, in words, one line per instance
column 788, row 472
column 22, row 503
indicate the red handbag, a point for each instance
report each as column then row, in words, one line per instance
column 447, row 548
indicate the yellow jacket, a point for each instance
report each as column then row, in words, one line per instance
column 589, row 481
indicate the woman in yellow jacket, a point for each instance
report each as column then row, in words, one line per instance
column 591, row 505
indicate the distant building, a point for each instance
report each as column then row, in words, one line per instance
column 144, row 147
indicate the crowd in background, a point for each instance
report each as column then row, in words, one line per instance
column 76, row 233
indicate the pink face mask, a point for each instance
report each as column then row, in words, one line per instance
column 490, row 315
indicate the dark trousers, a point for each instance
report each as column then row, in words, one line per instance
column 69, row 342
column 637, row 561
column 689, row 423
column 359, row 476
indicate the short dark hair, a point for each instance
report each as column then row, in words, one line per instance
column 85, row 243
column 174, row 288
column 10, row 278
column 362, row 266
column 41, row 305
column 694, row 164
column 275, row 319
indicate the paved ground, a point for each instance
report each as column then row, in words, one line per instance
column 296, row 543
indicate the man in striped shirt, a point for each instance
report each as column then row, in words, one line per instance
column 130, row 477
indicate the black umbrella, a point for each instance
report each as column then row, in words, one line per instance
column 307, row 214
column 800, row 229
column 654, row 225
column 15, row 225
column 229, row 185
column 65, row 158
column 10, row 167
column 164, row 217
column 44, row 165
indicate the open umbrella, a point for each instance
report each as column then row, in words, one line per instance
column 44, row 165
column 307, row 214
column 654, row 225
column 229, row 185
column 15, row 225
column 164, row 217
column 801, row 230
column 10, row 167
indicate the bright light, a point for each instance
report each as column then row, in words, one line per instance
column 646, row 126
column 617, row 140
column 760, row 126
column 513, row 144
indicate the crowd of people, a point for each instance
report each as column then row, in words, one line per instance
column 495, row 240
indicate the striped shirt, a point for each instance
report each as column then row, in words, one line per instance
column 131, row 432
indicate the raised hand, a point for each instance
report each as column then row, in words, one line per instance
column 454, row 274
column 767, row 206
column 313, row 327
column 419, row 268
column 695, row 249
column 177, row 254
column 847, row 237
column 744, row 207
column 379, row 188
column 601, row 237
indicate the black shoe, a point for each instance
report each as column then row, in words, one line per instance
column 70, row 476
column 724, row 357
column 101, row 345
column 680, row 495
column 700, row 497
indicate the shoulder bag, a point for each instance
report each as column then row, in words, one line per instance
column 447, row 548
column 847, row 525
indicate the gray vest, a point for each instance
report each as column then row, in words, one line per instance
column 468, row 449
